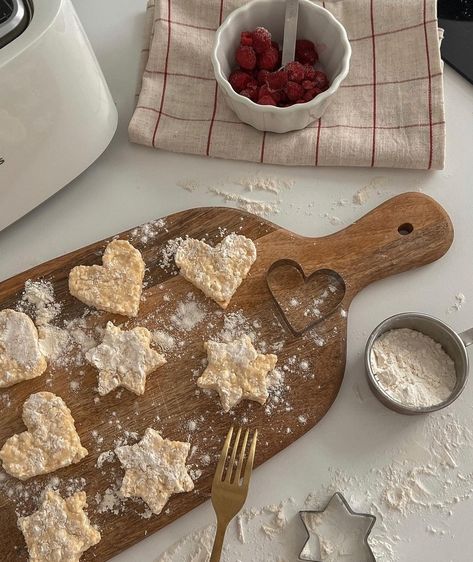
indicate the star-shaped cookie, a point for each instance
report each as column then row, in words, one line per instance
column 114, row 286
column 155, row 468
column 217, row 271
column 50, row 442
column 337, row 533
column 237, row 371
column 59, row 530
column 124, row 358
column 20, row 356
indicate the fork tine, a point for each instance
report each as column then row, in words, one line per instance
column 251, row 458
column 231, row 464
column 236, row 480
column 223, row 456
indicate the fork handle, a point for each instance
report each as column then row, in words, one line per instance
column 218, row 542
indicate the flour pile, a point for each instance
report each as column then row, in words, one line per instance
column 413, row 368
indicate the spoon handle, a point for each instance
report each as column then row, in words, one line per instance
column 290, row 31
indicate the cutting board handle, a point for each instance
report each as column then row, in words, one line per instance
column 406, row 231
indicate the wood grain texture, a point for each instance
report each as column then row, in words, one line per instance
column 370, row 249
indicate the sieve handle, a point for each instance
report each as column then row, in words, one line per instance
column 467, row 337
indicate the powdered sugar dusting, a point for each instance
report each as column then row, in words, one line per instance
column 38, row 298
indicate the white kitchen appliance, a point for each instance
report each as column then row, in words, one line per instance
column 56, row 112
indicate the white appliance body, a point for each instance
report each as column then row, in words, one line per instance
column 56, row 112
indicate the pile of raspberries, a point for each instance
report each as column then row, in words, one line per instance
column 259, row 79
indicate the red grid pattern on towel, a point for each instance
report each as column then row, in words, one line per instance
column 174, row 60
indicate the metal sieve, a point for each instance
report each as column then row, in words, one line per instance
column 454, row 345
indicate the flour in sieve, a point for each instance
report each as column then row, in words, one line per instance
column 413, row 368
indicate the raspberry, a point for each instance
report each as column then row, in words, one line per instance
column 269, row 59
column 252, row 94
column 310, row 94
column 309, row 72
column 246, row 39
column 265, row 91
column 277, row 80
column 261, row 40
column 238, row 80
column 252, row 88
column 267, row 100
column 275, row 45
column 261, row 77
column 305, row 52
column 246, row 57
column 295, row 71
column 294, row 91
column 321, row 80
column 308, row 84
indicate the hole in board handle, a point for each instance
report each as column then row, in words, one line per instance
column 405, row 229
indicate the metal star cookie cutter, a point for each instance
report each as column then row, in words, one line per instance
column 340, row 503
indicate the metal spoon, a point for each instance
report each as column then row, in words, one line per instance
column 290, row 31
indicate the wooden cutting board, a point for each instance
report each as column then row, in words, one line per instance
column 405, row 232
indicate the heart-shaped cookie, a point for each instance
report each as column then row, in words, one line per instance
column 20, row 356
column 114, row 286
column 217, row 271
column 304, row 301
column 50, row 442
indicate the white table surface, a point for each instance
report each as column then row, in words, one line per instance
column 130, row 184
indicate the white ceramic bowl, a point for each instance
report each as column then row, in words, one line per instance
column 316, row 24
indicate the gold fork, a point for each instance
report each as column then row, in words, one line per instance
column 229, row 493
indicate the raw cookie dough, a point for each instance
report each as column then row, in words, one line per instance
column 50, row 442
column 59, row 531
column 237, row 371
column 155, row 468
column 20, row 356
column 114, row 286
column 124, row 358
column 218, row 271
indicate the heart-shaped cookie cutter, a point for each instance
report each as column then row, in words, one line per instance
column 306, row 279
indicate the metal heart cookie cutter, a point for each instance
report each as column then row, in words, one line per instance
column 304, row 300
column 337, row 533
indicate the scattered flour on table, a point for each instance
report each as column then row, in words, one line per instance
column 413, row 368
column 332, row 219
column 364, row 193
column 257, row 207
column 460, row 300
column 189, row 185
column 271, row 184
column 422, row 481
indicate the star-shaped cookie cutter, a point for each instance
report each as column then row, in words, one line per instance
column 339, row 502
